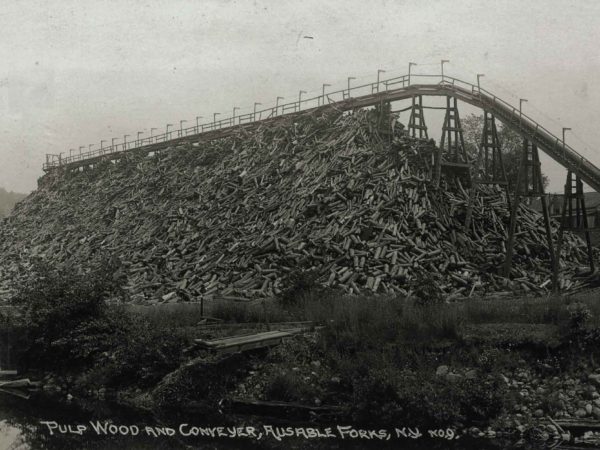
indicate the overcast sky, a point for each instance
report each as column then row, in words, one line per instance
column 75, row 72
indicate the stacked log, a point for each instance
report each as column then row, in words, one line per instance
column 231, row 219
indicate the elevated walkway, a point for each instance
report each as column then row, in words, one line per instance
column 372, row 94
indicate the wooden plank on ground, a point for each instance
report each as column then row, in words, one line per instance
column 246, row 342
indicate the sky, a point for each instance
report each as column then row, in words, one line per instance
column 75, row 72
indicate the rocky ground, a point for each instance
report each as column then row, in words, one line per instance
column 537, row 397
column 539, row 393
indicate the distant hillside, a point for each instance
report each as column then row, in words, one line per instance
column 8, row 200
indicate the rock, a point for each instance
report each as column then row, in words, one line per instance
column 588, row 409
column 454, row 377
column 588, row 435
column 336, row 380
column 317, row 402
column 580, row 413
column 538, row 413
column 441, row 371
column 471, row 374
column 596, row 412
column 316, row 364
column 594, row 378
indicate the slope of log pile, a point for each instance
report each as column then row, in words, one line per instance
column 232, row 218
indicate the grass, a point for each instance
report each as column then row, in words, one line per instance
column 379, row 318
column 191, row 314
column 552, row 309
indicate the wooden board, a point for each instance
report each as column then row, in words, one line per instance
column 246, row 342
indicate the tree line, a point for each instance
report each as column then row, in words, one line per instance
column 8, row 199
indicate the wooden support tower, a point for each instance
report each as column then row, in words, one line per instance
column 529, row 184
column 416, row 122
column 570, row 222
column 385, row 120
column 490, row 167
column 452, row 155
column 493, row 170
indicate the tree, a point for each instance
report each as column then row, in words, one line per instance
column 511, row 144
column 8, row 200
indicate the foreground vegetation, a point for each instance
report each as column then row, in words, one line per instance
column 382, row 360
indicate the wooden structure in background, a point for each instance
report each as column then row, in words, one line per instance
column 570, row 222
column 529, row 184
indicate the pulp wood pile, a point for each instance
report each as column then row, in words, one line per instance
column 231, row 219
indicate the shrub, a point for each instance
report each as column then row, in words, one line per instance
column 579, row 314
column 206, row 382
column 144, row 356
column 425, row 289
column 375, row 402
column 68, row 326
column 551, row 403
column 481, row 400
column 299, row 284
column 419, row 397
column 287, row 387
column 66, row 320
